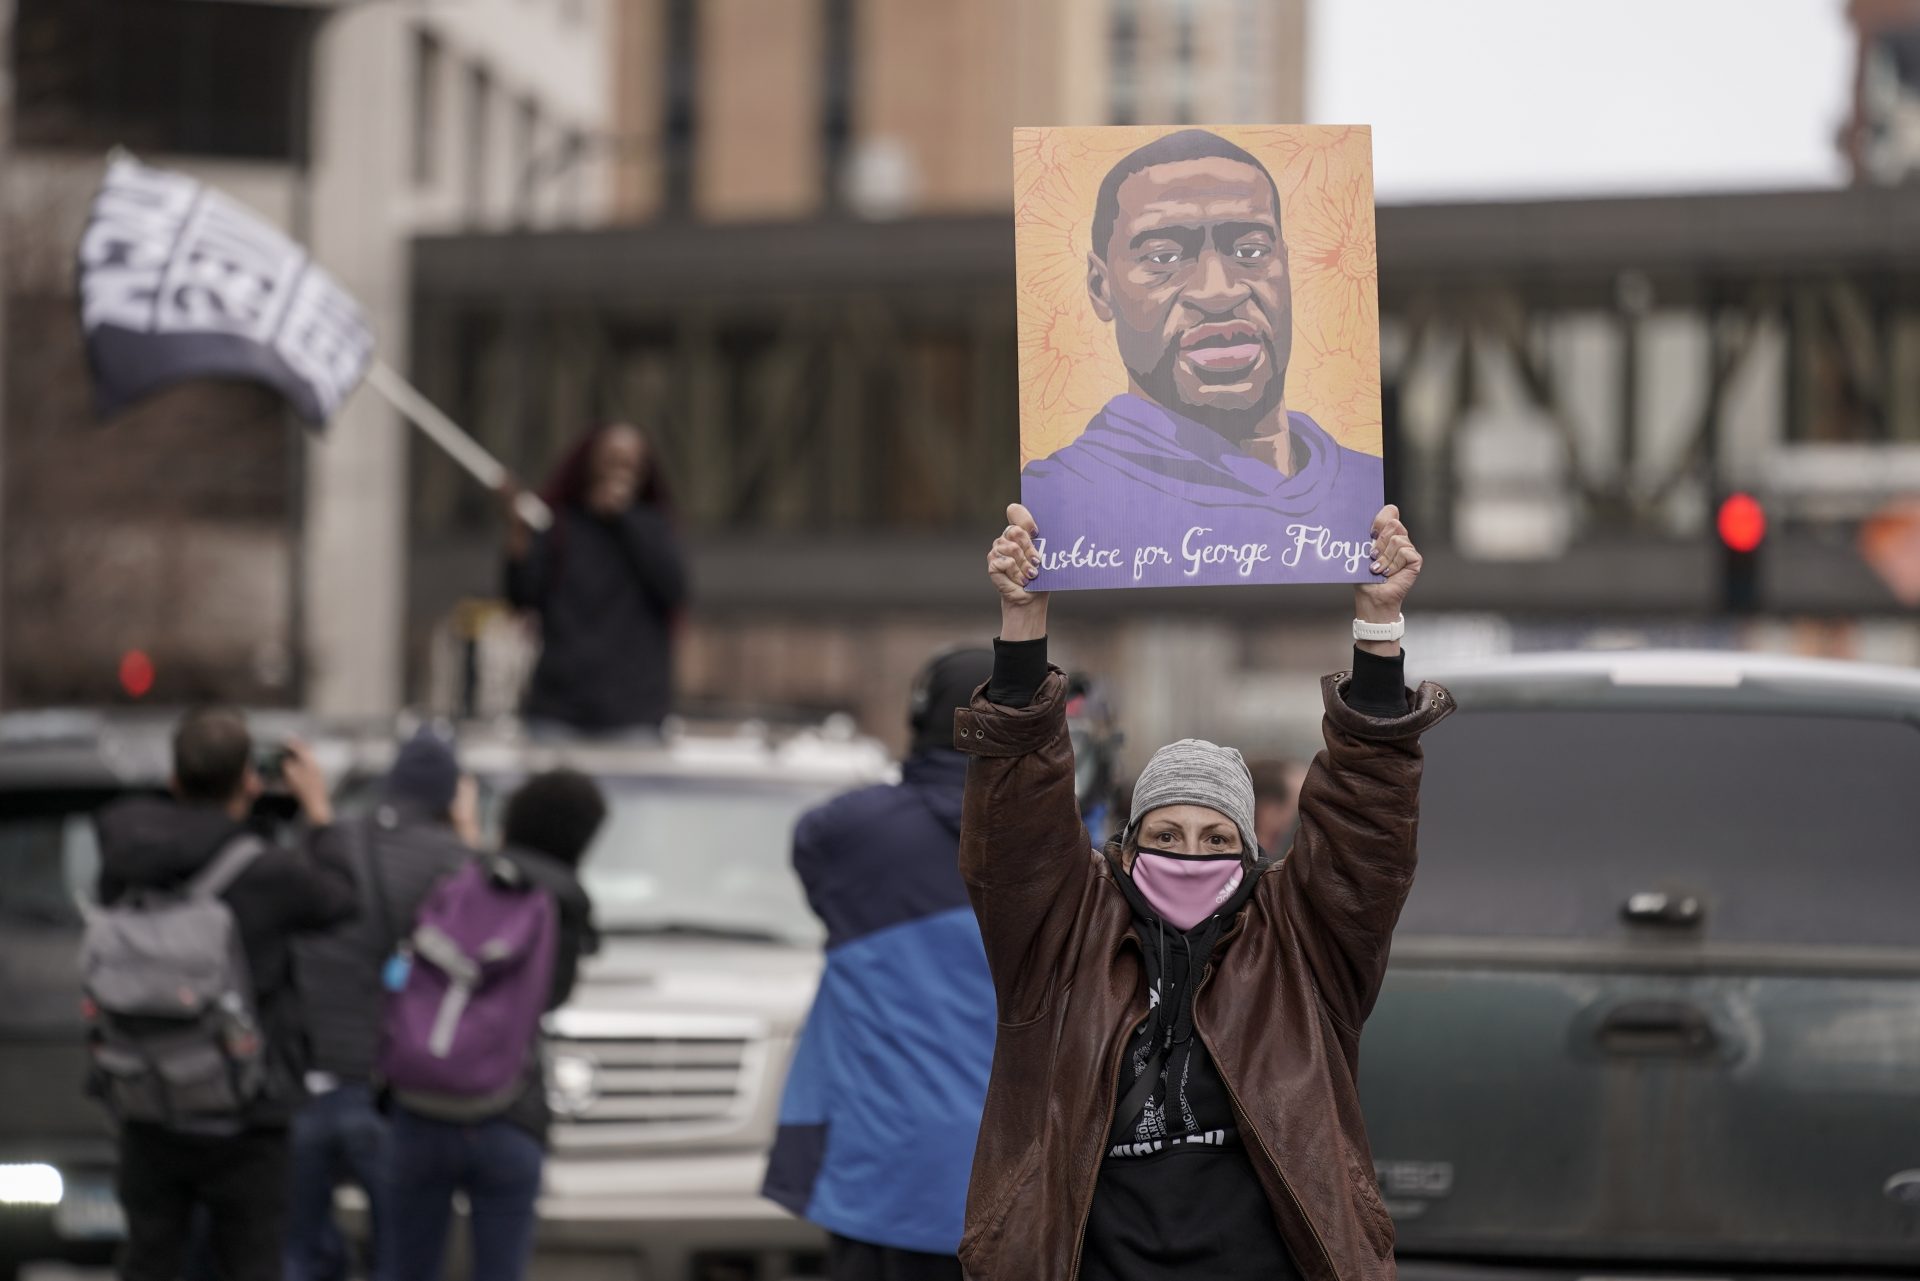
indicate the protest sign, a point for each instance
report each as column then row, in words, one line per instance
column 1199, row 336
column 178, row 282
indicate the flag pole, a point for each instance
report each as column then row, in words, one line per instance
column 459, row 446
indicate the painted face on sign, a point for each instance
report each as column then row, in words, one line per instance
column 1194, row 280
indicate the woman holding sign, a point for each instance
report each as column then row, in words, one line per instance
column 1173, row 1091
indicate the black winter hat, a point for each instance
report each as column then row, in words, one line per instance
column 944, row 685
column 426, row 773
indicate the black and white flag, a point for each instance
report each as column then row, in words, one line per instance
column 177, row 281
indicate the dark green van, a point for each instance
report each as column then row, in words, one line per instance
column 1654, row 1004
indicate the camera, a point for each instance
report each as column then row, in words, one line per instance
column 270, row 761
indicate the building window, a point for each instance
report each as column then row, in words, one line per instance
column 531, row 170
column 836, row 121
column 573, row 191
column 680, row 76
column 479, row 131
column 1123, row 59
column 225, row 80
column 1889, row 111
column 1183, row 57
column 428, row 63
column 1250, row 62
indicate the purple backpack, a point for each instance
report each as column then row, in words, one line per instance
column 463, row 1017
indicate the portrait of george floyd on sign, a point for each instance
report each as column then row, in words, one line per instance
column 1199, row 333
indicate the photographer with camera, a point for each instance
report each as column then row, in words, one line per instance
column 203, row 1104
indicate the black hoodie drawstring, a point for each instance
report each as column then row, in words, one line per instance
column 1166, row 1032
column 1163, row 1030
column 1160, row 1006
column 1183, row 1037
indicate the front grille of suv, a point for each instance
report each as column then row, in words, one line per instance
column 617, row 1080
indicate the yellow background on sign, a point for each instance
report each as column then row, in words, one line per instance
column 1069, row 366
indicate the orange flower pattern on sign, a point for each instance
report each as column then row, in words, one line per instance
column 1069, row 367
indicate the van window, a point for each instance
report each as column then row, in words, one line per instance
column 1792, row 829
column 50, row 853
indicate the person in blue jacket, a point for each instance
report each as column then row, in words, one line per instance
column 883, row 1101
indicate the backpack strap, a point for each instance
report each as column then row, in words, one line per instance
column 463, row 973
column 235, row 857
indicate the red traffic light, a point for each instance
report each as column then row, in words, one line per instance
column 1742, row 522
column 136, row 673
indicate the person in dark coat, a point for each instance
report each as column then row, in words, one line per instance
column 235, row 1184
column 497, row 1162
column 421, row 830
column 883, row 1099
column 607, row 582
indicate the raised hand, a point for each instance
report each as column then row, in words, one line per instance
column 1396, row 565
column 1013, row 562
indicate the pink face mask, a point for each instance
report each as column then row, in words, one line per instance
column 1186, row 891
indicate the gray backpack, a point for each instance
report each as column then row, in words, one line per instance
column 174, row 1037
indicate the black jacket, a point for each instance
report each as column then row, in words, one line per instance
column 397, row 855
column 578, row 938
column 152, row 843
column 606, row 591
column 1177, row 1195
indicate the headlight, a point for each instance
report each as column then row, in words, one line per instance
column 31, row 1185
column 573, row 1084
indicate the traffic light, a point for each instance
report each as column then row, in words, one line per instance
column 136, row 674
column 1742, row 525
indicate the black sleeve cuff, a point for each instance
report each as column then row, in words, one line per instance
column 1019, row 669
column 1379, row 687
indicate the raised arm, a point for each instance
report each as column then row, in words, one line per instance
column 1024, row 852
column 654, row 554
column 1347, row 876
column 525, row 577
column 319, row 891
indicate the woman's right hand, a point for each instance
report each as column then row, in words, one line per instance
column 1013, row 562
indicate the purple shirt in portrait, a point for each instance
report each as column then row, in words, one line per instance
column 1147, row 498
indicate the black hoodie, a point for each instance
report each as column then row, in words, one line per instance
column 152, row 843
column 1177, row 1195
column 578, row 938
column 607, row 591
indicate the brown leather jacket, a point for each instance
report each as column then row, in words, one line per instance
column 1279, row 1009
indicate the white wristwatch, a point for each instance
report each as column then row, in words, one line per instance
column 1364, row 631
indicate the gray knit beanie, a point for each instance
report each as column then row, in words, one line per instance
column 1196, row 772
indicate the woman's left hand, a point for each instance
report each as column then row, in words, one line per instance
column 1396, row 565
